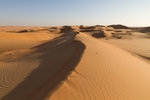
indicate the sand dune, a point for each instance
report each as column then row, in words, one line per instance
column 137, row 45
column 37, row 71
column 105, row 73
column 71, row 67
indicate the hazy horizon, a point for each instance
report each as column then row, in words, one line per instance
column 69, row 12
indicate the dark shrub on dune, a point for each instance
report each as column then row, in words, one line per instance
column 101, row 34
column 109, row 30
column 65, row 29
column 87, row 30
column 89, row 27
column 145, row 30
column 81, row 27
column 118, row 31
column 53, row 28
column 99, row 25
column 22, row 31
column 119, row 26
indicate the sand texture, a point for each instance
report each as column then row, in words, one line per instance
column 57, row 63
column 106, row 73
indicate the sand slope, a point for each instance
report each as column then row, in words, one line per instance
column 36, row 72
column 106, row 73
column 139, row 46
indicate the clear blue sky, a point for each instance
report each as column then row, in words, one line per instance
column 74, row 12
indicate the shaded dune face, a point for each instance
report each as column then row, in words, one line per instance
column 57, row 59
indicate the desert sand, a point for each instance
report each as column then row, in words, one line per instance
column 57, row 63
column 135, row 46
column 105, row 73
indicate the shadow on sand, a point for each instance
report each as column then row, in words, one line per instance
column 58, row 59
column 145, row 57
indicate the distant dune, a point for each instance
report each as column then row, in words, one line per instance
column 73, row 63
